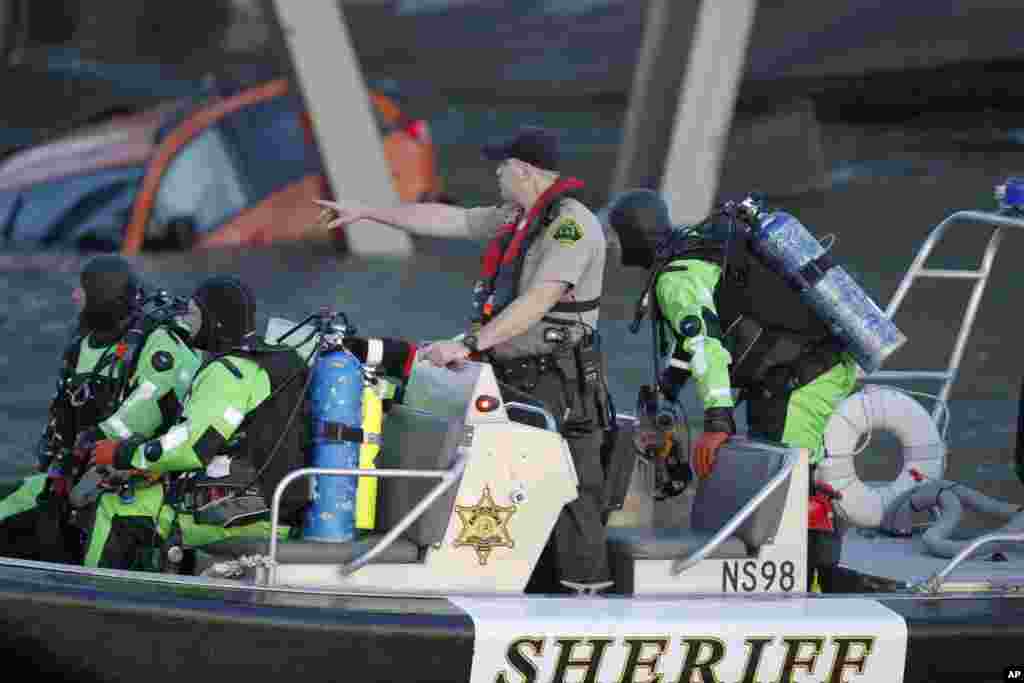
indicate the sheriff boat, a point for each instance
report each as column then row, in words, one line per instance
column 471, row 483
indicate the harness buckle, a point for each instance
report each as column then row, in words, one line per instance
column 80, row 396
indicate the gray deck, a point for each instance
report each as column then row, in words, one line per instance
column 907, row 560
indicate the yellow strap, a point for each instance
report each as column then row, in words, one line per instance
column 366, row 491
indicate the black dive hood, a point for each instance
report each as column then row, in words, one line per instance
column 641, row 220
column 229, row 314
column 112, row 292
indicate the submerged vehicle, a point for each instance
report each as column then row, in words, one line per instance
column 234, row 166
column 471, row 480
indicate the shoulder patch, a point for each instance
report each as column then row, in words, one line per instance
column 567, row 231
column 162, row 361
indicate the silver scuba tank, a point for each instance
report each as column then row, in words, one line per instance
column 786, row 246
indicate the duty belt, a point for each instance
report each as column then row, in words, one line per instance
column 526, row 370
column 542, row 363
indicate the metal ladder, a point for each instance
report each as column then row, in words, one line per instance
column 980, row 278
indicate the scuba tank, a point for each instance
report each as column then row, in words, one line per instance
column 336, row 395
column 785, row 245
column 349, row 396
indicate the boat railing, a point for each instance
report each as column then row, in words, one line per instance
column 980, row 276
column 448, row 478
column 934, row 583
column 681, row 564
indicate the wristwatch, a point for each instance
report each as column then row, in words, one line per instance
column 471, row 342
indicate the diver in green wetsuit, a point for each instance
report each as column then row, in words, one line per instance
column 244, row 426
column 734, row 325
column 123, row 376
column 227, row 423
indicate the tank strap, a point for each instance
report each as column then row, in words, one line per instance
column 107, row 359
column 814, row 270
column 340, row 432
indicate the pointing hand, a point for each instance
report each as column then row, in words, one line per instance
column 339, row 214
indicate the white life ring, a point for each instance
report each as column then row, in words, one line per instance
column 878, row 408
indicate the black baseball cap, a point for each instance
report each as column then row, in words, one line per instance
column 535, row 145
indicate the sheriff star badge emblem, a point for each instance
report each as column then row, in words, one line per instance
column 484, row 526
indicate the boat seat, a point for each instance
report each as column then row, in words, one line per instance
column 412, row 440
column 738, row 476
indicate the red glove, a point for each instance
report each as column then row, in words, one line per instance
column 705, row 450
column 105, row 451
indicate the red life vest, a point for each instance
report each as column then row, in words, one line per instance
column 503, row 260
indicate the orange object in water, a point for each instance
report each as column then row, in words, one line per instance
column 287, row 213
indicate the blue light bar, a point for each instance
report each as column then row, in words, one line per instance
column 1011, row 194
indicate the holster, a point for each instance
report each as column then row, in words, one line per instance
column 522, row 373
column 584, row 376
column 591, row 378
column 580, row 371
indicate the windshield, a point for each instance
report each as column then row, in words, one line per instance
column 200, row 185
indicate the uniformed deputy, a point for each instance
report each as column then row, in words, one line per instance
column 238, row 407
column 732, row 323
column 123, row 376
column 534, row 316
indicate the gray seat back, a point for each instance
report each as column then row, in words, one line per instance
column 742, row 468
column 414, row 440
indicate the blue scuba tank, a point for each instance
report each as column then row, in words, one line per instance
column 336, row 391
column 786, row 246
